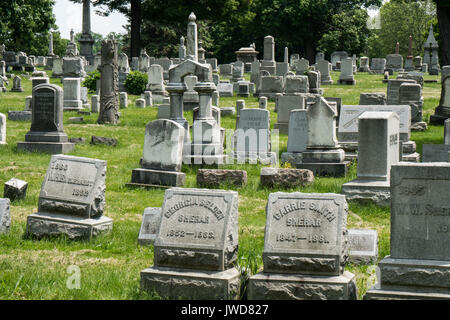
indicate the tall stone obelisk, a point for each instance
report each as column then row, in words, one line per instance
column 86, row 40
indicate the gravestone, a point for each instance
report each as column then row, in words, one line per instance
column 190, row 96
column 35, row 81
column 15, row 189
column 336, row 57
column 297, row 137
column 2, row 129
column 363, row 246
column 301, row 66
column 140, row 103
column 17, row 84
column 393, row 88
column 95, row 104
column 144, row 61
column 225, row 69
column 378, row 66
column 314, row 82
column 225, row 88
column 72, row 67
column 156, row 83
column 394, row 62
column 364, row 64
column 284, row 106
column 323, row 155
column 150, row 226
column 372, row 98
column 5, row 216
column 164, row 109
column 72, row 200
column 3, row 85
column 305, row 249
column 162, row 159
column 325, row 68
column 378, row 150
column 442, row 112
column 268, row 63
column 72, row 94
column 271, row 87
column 262, row 103
column 347, row 76
column 213, row 178
column 435, row 152
column 411, row 94
column 123, row 100
column 148, row 98
column 419, row 260
column 252, row 137
column 46, row 133
column 196, row 247
column 447, row 131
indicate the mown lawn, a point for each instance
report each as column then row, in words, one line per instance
column 110, row 265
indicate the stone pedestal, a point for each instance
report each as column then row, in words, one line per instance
column 192, row 284
column 156, row 178
column 42, row 224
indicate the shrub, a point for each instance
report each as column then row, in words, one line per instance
column 136, row 82
column 91, row 81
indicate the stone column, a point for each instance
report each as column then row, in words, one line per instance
column 192, row 39
column 86, row 40
column 182, row 49
column 50, row 45
column 109, row 84
column 286, row 55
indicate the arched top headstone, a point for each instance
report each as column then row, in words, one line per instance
column 202, row 71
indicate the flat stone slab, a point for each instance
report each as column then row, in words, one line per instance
column 377, row 192
column 157, row 178
column 272, row 286
column 376, row 293
column 191, row 284
column 211, row 178
column 150, row 226
column 293, row 158
column 104, row 140
column 435, row 152
column 40, row 225
column 286, row 178
column 15, row 189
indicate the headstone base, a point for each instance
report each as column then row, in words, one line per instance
column 323, row 155
column 73, row 105
column 205, row 160
column 327, row 82
column 437, row 119
column 293, row 158
column 273, row 286
column 189, row 106
column 41, row 225
column 46, row 147
column 265, row 158
column 350, row 82
column 272, row 96
column 411, row 157
column 368, row 191
column 157, row 178
column 326, row 169
column 375, row 293
column 19, row 115
column 191, row 284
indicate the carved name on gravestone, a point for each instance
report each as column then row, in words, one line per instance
column 348, row 122
column 72, row 199
column 305, row 233
column 198, row 229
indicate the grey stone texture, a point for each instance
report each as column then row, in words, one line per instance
column 447, row 131
column 213, row 178
column 442, row 112
column 150, row 226
column 363, row 246
column 284, row 106
column 378, row 98
column 72, row 199
column 15, row 189
column 2, row 129
column 103, row 141
column 286, row 178
column 435, row 152
column 5, row 216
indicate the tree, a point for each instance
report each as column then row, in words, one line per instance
column 402, row 18
column 25, row 25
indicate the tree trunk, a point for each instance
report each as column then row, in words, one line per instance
column 309, row 51
column 136, row 20
column 443, row 14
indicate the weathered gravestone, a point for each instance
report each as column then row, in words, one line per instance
column 5, row 216
column 378, row 66
column 419, row 261
column 156, row 83
column 271, row 87
column 435, row 152
column 72, row 94
column 347, row 76
column 394, row 62
column 252, row 137
column 72, row 200
column 47, row 133
column 17, row 84
column 372, row 98
column 284, row 106
column 162, row 159
column 225, row 88
column 196, row 247
column 447, row 131
column 393, row 90
column 323, row 155
column 2, row 129
column 297, row 137
column 15, row 189
column 378, row 141
column 363, row 246
column 305, row 249
column 325, row 69
column 190, row 96
column 150, row 226
column 364, row 64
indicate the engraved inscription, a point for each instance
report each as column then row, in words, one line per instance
column 195, row 202
column 44, row 111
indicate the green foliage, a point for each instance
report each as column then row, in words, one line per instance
column 91, row 81
column 97, row 44
column 136, row 82
column 399, row 20
column 25, row 25
column 59, row 44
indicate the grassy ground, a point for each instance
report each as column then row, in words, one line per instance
column 110, row 265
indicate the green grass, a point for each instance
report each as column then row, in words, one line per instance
column 110, row 265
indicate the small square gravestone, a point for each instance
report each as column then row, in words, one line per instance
column 305, row 249
column 72, row 200
column 5, row 216
column 196, row 247
column 15, row 189
column 150, row 226
column 363, row 246
column 419, row 261
column 297, row 137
